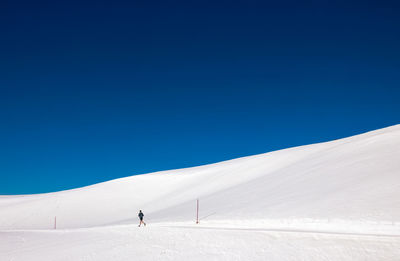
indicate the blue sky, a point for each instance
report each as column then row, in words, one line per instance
column 92, row 91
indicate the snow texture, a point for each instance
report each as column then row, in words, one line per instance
column 338, row 200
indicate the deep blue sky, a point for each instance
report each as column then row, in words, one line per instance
column 93, row 90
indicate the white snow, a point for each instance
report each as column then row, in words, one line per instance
column 338, row 200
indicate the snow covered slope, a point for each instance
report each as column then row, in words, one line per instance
column 331, row 201
column 347, row 185
column 128, row 242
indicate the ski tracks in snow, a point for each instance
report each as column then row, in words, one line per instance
column 168, row 242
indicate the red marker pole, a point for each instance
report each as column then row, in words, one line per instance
column 197, row 214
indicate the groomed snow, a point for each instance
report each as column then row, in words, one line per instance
column 337, row 200
column 128, row 242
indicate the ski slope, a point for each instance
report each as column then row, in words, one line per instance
column 128, row 242
column 338, row 200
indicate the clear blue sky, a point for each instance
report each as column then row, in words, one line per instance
column 94, row 90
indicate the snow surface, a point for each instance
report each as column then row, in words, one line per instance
column 338, row 200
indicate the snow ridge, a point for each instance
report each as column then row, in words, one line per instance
column 346, row 185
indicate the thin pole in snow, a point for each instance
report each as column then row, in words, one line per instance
column 197, row 212
column 55, row 222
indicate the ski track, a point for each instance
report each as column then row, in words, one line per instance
column 160, row 242
column 282, row 230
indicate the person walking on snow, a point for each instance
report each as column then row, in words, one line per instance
column 141, row 215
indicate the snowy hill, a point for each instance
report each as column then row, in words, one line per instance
column 337, row 200
column 353, row 181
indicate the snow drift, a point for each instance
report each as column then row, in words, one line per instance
column 351, row 184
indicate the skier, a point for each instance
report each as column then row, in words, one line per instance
column 141, row 215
